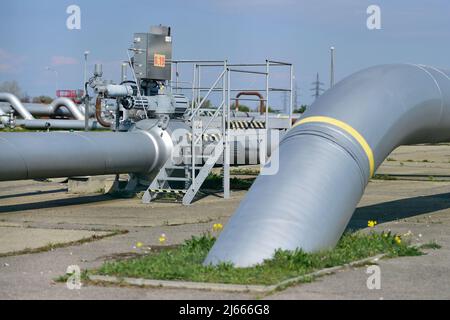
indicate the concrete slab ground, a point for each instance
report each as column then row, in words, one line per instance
column 31, row 210
column 14, row 239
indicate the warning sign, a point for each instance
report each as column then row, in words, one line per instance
column 159, row 60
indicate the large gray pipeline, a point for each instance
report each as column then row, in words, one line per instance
column 64, row 154
column 326, row 160
column 57, row 124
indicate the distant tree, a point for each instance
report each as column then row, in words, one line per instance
column 300, row 109
column 43, row 99
column 26, row 98
column 11, row 87
column 242, row 108
column 206, row 105
column 272, row 110
column 245, row 108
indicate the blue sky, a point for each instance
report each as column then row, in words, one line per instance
column 33, row 35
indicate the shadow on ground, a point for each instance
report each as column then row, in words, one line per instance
column 33, row 193
column 399, row 209
column 55, row 203
column 381, row 212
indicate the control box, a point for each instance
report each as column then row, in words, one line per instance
column 153, row 54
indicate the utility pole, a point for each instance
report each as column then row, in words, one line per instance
column 317, row 87
column 86, row 54
column 332, row 67
column 86, row 96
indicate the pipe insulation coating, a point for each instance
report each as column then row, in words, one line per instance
column 65, row 154
column 328, row 157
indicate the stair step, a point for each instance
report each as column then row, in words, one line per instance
column 198, row 156
column 172, row 191
column 174, row 179
column 177, row 167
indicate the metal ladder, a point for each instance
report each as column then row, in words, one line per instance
column 170, row 174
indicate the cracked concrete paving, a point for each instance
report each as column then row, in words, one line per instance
column 422, row 207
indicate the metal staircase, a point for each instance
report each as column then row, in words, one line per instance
column 187, row 178
column 183, row 180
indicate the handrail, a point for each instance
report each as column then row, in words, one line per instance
column 194, row 112
column 223, row 110
column 248, row 71
column 195, row 61
column 280, row 63
column 234, row 90
column 214, row 116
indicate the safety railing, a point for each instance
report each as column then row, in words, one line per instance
column 224, row 107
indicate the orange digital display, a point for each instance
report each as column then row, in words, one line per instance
column 159, row 60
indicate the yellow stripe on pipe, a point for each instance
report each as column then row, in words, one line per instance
column 349, row 129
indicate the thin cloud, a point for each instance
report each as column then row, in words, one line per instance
column 63, row 61
column 10, row 63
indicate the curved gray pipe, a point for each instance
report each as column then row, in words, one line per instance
column 16, row 104
column 40, row 110
column 69, row 104
column 326, row 160
column 65, row 154
column 55, row 108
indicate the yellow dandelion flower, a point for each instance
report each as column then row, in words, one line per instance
column 398, row 240
column 371, row 223
column 162, row 238
column 217, row 227
column 139, row 244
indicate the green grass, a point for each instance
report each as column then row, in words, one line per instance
column 83, row 277
column 383, row 177
column 185, row 261
column 16, row 129
column 215, row 182
column 53, row 246
column 431, row 245
column 245, row 171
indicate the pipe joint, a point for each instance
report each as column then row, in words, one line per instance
column 341, row 138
